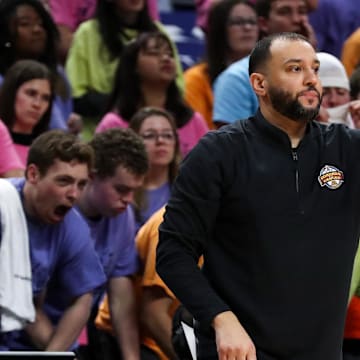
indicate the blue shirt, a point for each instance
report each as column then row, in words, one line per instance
column 234, row 97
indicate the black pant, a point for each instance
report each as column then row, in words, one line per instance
column 103, row 346
column 351, row 349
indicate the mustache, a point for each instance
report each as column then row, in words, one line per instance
column 310, row 88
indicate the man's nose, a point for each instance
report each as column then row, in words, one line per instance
column 296, row 17
column 73, row 193
column 128, row 198
column 311, row 77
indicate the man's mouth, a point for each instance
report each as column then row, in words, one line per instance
column 62, row 210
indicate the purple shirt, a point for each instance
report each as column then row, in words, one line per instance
column 63, row 262
column 114, row 240
column 61, row 108
column 155, row 199
column 333, row 22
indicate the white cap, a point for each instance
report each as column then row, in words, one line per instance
column 332, row 72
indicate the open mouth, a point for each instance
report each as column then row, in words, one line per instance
column 62, row 210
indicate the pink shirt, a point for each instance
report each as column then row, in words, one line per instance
column 22, row 152
column 189, row 134
column 73, row 12
column 9, row 159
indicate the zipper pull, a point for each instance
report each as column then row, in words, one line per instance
column 294, row 155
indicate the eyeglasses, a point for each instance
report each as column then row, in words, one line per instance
column 240, row 21
column 154, row 137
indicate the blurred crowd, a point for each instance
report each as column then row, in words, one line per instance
column 96, row 114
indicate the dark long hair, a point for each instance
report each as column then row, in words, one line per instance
column 18, row 74
column 126, row 97
column 8, row 36
column 217, row 45
column 112, row 27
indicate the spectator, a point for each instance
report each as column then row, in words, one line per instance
column 355, row 84
column 28, row 32
column 119, row 169
column 203, row 6
column 333, row 22
column 56, row 173
column 336, row 105
column 26, row 98
column 231, row 34
column 146, row 77
column 233, row 96
column 350, row 52
column 69, row 14
column 10, row 163
column 156, row 303
column 97, row 48
column 158, row 130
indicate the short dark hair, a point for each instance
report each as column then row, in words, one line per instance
column 119, row 146
column 58, row 145
column 19, row 73
column 263, row 7
column 261, row 53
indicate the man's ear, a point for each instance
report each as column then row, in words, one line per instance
column 32, row 174
column 258, row 82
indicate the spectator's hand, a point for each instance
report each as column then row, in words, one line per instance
column 323, row 115
column 75, row 123
column 308, row 31
column 354, row 108
column 232, row 340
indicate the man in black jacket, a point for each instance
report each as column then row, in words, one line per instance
column 273, row 203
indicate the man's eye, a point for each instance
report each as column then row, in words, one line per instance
column 295, row 68
column 62, row 182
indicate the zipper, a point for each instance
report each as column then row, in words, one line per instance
column 295, row 159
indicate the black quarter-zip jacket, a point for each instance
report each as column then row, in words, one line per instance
column 278, row 228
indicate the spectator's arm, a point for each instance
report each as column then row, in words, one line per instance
column 71, row 324
column 122, row 305
column 41, row 330
column 156, row 318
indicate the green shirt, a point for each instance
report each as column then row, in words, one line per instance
column 89, row 65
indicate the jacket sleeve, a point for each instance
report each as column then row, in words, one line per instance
column 188, row 225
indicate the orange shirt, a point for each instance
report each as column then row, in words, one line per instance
column 350, row 55
column 198, row 92
column 146, row 242
column 352, row 324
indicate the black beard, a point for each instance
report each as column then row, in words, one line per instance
column 286, row 105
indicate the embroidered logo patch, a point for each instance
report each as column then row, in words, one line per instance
column 331, row 177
